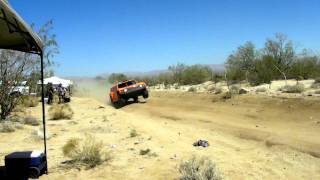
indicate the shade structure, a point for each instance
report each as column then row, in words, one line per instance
column 56, row 81
column 15, row 34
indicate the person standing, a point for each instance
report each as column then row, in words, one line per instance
column 61, row 93
column 50, row 93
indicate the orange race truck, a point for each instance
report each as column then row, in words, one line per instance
column 121, row 92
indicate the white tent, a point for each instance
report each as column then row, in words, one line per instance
column 56, row 81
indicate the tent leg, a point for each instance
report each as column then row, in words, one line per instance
column 43, row 111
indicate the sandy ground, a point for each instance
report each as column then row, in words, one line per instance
column 250, row 136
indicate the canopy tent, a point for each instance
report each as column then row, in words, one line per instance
column 15, row 34
column 56, row 81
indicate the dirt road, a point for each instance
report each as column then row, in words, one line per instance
column 251, row 137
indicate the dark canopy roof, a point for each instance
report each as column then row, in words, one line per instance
column 15, row 34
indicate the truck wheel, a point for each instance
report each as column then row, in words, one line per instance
column 145, row 94
column 34, row 172
column 135, row 99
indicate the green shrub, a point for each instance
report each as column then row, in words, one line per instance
column 87, row 152
column 198, row 169
column 62, row 111
column 298, row 88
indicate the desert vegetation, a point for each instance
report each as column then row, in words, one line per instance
column 60, row 111
column 86, row 152
column 198, row 168
column 17, row 67
column 279, row 59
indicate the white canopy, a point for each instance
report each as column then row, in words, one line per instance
column 56, row 81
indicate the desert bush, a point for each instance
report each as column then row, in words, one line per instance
column 192, row 89
column 227, row 95
column 144, row 151
column 215, row 90
column 37, row 134
column 315, row 85
column 6, row 127
column 58, row 111
column 234, row 89
column 298, row 88
column 133, row 133
column 30, row 120
column 261, row 89
column 87, row 152
column 29, row 101
column 198, row 169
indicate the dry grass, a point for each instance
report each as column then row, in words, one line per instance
column 261, row 89
column 133, row 133
column 215, row 90
column 315, row 85
column 57, row 112
column 87, row 152
column 198, row 169
column 29, row 101
column 30, row 120
column 7, row 127
column 192, row 89
column 298, row 88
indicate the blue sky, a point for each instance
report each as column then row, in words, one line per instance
column 103, row 36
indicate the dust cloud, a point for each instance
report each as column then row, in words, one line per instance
column 92, row 88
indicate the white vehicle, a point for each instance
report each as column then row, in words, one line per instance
column 20, row 89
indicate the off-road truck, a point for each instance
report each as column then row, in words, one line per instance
column 122, row 91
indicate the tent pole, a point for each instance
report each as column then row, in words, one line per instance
column 43, row 110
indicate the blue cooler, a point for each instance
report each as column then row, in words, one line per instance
column 25, row 164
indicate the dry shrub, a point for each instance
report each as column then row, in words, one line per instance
column 87, row 152
column 144, row 151
column 62, row 111
column 234, row 89
column 37, row 134
column 227, row 95
column 315, row 85
column 298, row 88
column 198, row 169
column 215, row 90
column 261, row 89
column 133, row 133
column 192, row 89
column 30, row 120
column 29, row 101
column 7, row 127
